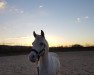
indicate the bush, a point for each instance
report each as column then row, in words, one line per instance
column 76, row 46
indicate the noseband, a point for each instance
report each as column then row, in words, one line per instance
column 39, row 53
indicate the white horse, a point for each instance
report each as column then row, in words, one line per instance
column 49, row 63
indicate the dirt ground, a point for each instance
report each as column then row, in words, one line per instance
column 72, row 63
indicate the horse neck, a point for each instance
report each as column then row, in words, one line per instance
column 44, row 58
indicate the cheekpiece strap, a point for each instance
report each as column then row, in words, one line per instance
column 35, row 51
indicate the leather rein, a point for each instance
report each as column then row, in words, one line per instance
column 39, row 54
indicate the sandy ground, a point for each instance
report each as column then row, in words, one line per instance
column 72, row 63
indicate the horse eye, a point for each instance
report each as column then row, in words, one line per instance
column 41, row 43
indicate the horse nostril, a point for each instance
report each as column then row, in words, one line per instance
column 33, row 56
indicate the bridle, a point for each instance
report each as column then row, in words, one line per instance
column 40, row 52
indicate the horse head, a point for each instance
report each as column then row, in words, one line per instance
column 39, row 47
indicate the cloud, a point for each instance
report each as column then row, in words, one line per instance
column 81, row 19
column 15, row 10
column 9, row 8
column 40, row 6
column 78, row 19
column 3, row 4
column 86, row 17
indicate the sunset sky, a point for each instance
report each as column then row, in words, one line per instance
column 65, row 22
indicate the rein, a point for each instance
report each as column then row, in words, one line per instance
column 39, row 54
column 38, row 67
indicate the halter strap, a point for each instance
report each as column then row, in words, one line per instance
column 35, row 51
column 39, row 53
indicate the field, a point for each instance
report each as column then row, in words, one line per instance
column 72, row 63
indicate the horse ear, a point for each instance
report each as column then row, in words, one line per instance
column 42, row 33
column 34, row 34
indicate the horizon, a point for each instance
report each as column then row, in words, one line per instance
column 64, row 22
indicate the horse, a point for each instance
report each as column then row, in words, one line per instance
column 48, row 62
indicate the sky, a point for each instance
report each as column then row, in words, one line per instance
column 64, row 22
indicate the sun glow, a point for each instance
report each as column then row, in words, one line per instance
column 2, row 4
column 23, row 41
column 54, row 41
column 27, row 41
